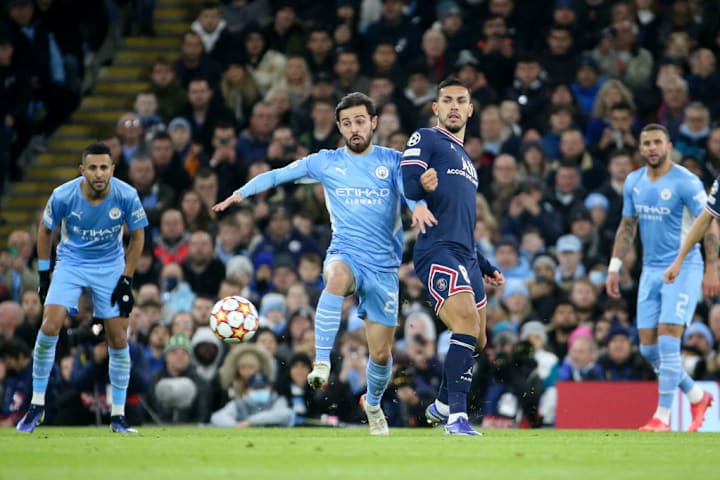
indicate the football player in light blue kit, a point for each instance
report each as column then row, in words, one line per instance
column 90, row 212
column 664, row 199
column 363, row 191
column 700, row 228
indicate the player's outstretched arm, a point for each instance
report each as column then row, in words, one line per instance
column 491, row 274
column 268, row 180
column 696, row 233
column 624, row 238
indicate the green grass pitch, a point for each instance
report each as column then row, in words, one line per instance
column 346, row 454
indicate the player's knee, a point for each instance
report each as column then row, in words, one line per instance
column 381, row 356
column 339, row 281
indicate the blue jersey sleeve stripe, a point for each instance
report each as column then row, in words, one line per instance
column 420, row 163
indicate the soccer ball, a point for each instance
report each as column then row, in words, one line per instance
column 234, row 319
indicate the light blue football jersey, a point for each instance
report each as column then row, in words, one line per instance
column 92, row 234
column 665, row 209
column 363, row 196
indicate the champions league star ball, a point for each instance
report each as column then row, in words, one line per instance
column 234, row 319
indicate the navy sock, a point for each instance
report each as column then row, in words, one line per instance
column 459, row 364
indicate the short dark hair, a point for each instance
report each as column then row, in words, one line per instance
column 14, row 348
column 656, row 126
column 355, row 99
column 210, row 5
column 161, row 136
column 97, row 148
column 450, row 82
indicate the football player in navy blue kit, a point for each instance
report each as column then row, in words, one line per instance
column 436, row 168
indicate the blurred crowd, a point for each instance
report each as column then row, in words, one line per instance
column 561, row 89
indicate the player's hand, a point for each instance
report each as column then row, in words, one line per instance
column 711, row 283
column 422, row 217
column 612, row 285
column 497, row 279
column 429, row 180
column 234, row 198
column 123, row 296
column 44, row 285
column 672, row 272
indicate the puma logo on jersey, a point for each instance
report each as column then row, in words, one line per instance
column 341, row 170
column 74, row 214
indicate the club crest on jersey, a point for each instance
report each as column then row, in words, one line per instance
column 441, row 284
column 414, row 139
column 114, row 213
column 666, row 194
column 382, row 172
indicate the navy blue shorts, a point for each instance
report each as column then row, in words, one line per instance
column 446, row 272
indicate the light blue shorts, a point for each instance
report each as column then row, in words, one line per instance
column 377, row 291
column 68, row 282
column 673, row 303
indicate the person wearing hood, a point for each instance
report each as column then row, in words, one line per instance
column 260, row 405
column 207, row 353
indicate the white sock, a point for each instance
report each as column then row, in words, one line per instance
column 38, row 398
column 454, row 417
column 695, row 394
column 442, row 408
column 663, row 414
column 117, row 410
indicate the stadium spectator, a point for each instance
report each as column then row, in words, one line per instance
column 204, row 110
column 260, row 405
column 195, row 214
column 240, row 364
column 529, row 209
column 562, row 323
column 178, row 393
column 168, row 91
column 347, row 73
column 155, row 196
column 16, row 386
column 622, row 362
column 202, row 270
column 216, row 39
column 619, row 57
column 674, row 100
column 145, row 107
column 194, row 63
column 580, row 363
column 171, row 242
column 694, row 132
column 177, row 296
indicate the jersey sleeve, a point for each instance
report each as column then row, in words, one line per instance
column 309, row 166
column 712, row 205
column 415, row 160
column 694, row 195
column 400, row 188
column 135, row 216
column 54, row 212
column 628, row 209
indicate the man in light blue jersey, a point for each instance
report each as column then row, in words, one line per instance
column 664, row 198
column 364, row 190
column 90, row 211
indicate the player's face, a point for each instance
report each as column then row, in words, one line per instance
column 655, row 148
column 453, row 108
column 357, row 127
column 97, row 170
